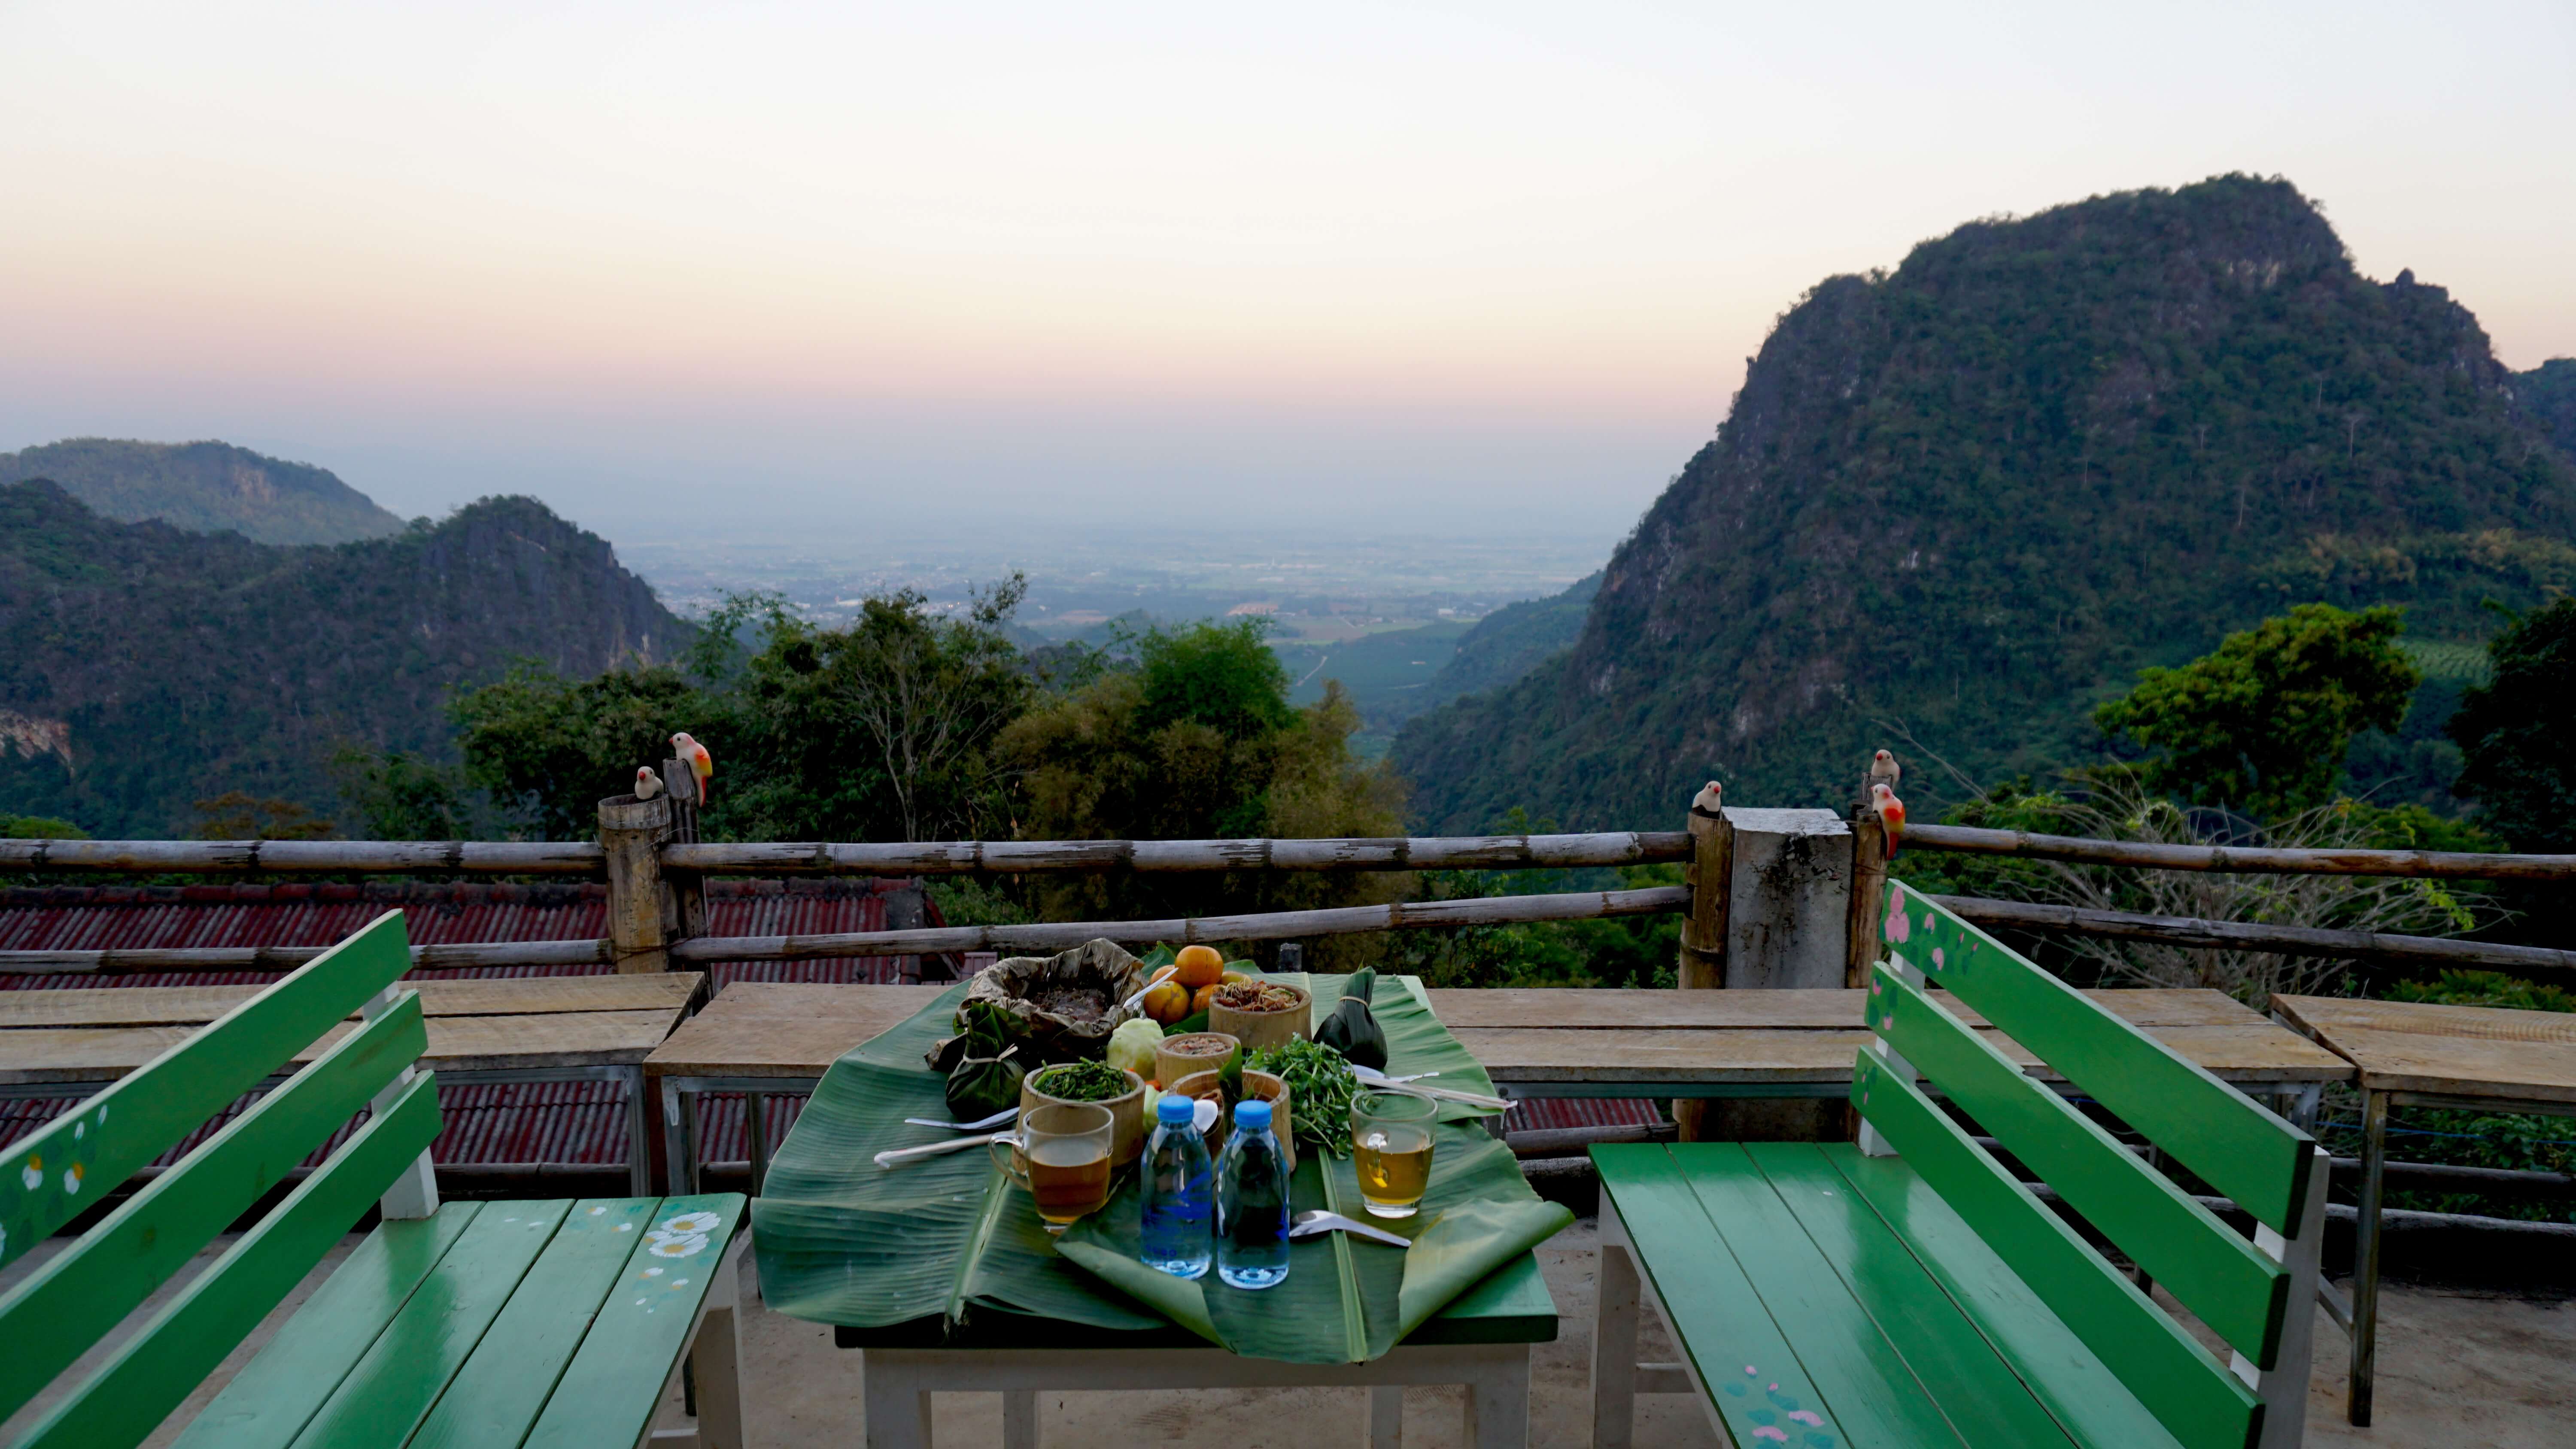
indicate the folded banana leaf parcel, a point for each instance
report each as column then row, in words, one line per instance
column 843, row 1241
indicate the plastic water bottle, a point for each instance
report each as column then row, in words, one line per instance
column 1179, row 1192
column 1252, row 1203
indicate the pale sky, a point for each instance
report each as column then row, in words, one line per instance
column 822, row 269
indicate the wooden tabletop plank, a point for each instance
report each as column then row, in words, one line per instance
column 2261, row 1053
column 456, row 1043
column 778, row 1029
column 2499, row 1068
column 197, row 1005
column 1594, row 1009
column 2330, row 1014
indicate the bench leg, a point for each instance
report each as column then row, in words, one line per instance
column 1498, row 1407
column 715, row 1362
column 1386, row 1417
column 1019, row 1419
column 897, row 1408
column 1614, row 1341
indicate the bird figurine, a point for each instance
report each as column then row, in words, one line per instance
column 647, row 783
column 1706, row 801
column 701, row 764
column 1883, row 770
column 1891, row 814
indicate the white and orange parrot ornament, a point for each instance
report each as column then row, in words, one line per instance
column 1883, row 770
column 1891, row 814
column 700, row 763
column 647, row 783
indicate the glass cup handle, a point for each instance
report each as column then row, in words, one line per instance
column 1013, row 1167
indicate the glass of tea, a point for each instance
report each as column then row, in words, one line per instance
column 1062, row 1158
column 1391, row 1146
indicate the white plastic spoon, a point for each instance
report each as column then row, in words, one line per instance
column 1376, row 1078
column 986, row 1125
column 954, row 1144
column 1316, row 1220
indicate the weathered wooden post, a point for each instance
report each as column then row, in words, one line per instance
column 1868, row 894
column 631, row 833
column 1709, row 877
column 687, row 888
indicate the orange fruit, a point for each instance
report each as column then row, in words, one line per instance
column 1198, row 966
column 1168, row 1002
column 1200, row 998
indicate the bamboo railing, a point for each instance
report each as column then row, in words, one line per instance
column 2244, row 936
column 2454, row 865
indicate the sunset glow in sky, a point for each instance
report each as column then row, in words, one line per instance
column 761, row 268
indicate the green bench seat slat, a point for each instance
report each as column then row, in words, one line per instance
column 1724, row 1328
column 2070, row 1379
column 154, row 1371
column 2195, row 1396
column 602, row 1401
column 2240, row 1293
column 80, row 1155
column 64, row 1307
column 277, row 1393
column 2245, row 1152
column 495, row 1398
column 1977, row 1391
column 392, row 1388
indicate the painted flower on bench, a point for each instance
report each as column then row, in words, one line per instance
column 1766, row 1422
column 682, row 1236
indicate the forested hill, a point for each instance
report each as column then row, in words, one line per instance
column 205, row 488
column 143, row 668
column 1970, row 497
column 2549, row 393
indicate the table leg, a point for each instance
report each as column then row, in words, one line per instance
column 1614, row 1344
column 1019, row 1419
column 1498, row 1406
column 685, row 1179
column 2365, row 1256
column 1386, row 1417
column 896, row 1406
column 674, row 1140
column 639, row 1134
column 759, row 1132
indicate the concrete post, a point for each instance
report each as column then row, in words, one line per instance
column 1788, row 918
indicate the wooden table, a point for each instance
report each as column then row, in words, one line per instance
column 521, row 1029
column 1794, row 1043
column 2470, row 1058
column 763, row 1039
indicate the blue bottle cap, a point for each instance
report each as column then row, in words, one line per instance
column 1174, row 1110
column 1252, row 1115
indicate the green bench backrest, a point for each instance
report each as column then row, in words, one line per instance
column 56, row 1313
column 2248, row 1154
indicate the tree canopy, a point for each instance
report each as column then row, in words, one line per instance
column 2513, row 732
column 2260, row 725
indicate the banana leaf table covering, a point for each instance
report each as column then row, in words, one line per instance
column 843, row 1241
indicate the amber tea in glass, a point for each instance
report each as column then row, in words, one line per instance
column 1062, row 1158
column 1391, row 1147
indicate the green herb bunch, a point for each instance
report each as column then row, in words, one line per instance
column 1084, row 1082
column 1320, row 1088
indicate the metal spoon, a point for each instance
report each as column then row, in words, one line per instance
column 1316, row 1220
column 986, row 1125
column 954, row 1144
column 1132, row 1002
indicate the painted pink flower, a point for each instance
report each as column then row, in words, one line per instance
column 1936, row 958
column 1898, row 927
column 1808, row 1417
column 1768, row 1431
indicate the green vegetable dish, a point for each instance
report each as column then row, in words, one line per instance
column 1320, row 1087
column 1084, row 1082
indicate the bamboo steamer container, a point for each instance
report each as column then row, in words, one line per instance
column 1126, row 1115
column 1171, row 1065
column 1259, row 1085
column 1262, row 1030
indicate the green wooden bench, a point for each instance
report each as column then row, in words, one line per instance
column 1910, row 1290
column 468, row 1324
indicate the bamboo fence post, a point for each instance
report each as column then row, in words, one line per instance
column 1710, row 879
column 688, row 888
column 631, row 833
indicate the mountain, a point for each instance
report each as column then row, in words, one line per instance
column 1513, row 640
column 2548, row 393
column 205, row 488
column 1958, row 503
column 143, row 668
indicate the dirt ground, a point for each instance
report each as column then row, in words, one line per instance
column 2454, row 1370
